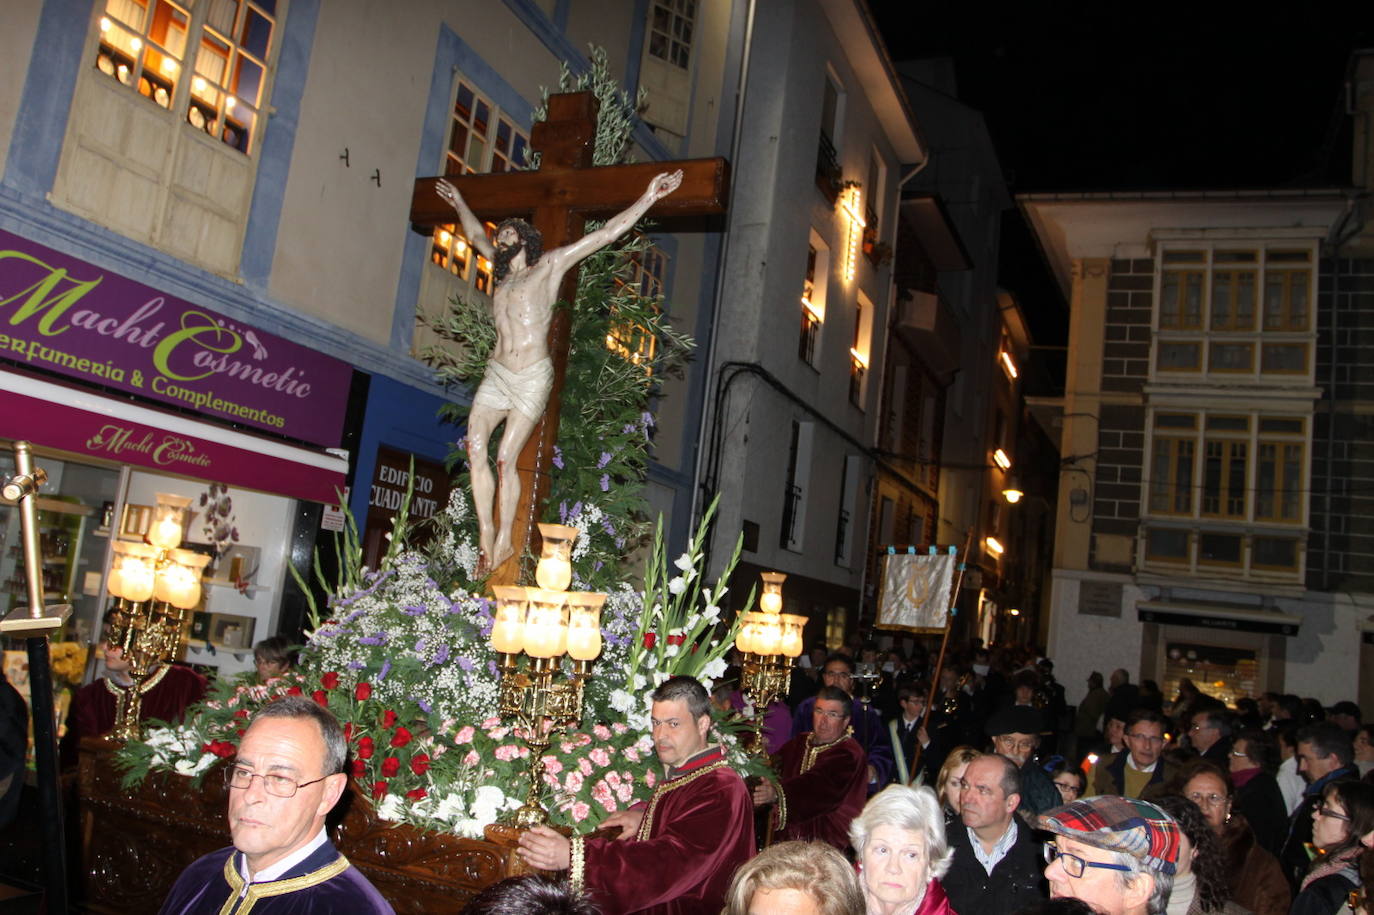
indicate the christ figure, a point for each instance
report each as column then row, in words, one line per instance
column 519, row 374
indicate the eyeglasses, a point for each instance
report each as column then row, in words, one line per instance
column 1324, row 811
column 836, row 716
column 1068, row 789
column 1147, row 738
column 1027, row 743
column 1239, row 754
column 1207, row 800
column 275, row 785
column 1073, row 865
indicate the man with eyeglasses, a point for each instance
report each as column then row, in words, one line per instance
column 1015, row 733
column 287, row 776
column 822, row 777
column 838, row 671
column 995, row 867
column 1324, row 755
column 1140, row 770
column 1117, row 854
column 1210, row 735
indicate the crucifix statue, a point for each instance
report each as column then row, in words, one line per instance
column 523, row 381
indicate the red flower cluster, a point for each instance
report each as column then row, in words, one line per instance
column 365, row 748
column 321, row 697
column 221, row 748
column 676, row 639
column 390, row 766
column 330, row 680
column 649, row 639
column 388, row 719
column 363, row 692
column 401, row 738
column 419, row 764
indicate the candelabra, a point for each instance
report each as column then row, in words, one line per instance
column 545, row 623
column 770, row 640
column 155, row 585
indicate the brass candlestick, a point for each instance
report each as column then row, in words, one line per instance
column 770, row 640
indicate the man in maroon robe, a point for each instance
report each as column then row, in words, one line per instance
column 677, row 853
column 823, row 777
column 166, row 694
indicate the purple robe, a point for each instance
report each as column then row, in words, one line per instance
column 324, row 882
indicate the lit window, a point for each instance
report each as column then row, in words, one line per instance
column 644, row 271
column 145, row 44
column 670, row 31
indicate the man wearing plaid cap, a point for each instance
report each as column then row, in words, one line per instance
column 1115, row 853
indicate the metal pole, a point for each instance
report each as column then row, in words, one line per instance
column 34, row 624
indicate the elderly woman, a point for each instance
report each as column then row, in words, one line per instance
column 1253, row 761
column 949, row 784
column 899, row 841
column 795, row 878
column 1253, row 876
column 1339, row 821
column 1200, row 878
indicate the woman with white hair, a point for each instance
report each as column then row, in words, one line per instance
column 899, row 840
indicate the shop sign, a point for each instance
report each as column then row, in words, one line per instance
column 130, row 442
column 61, row 314
column 1235, row 624
column 428, row 496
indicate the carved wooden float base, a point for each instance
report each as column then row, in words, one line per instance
column 134, row 844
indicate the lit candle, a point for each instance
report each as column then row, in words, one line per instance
column 584, row 625
column 554, row 571
column 792, row 634
column 137, row 579
column 546, row 629
column 166, row 530
column 769, row 637
column 508, row 629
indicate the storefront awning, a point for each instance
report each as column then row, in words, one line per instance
column 85, row 422
column 1218, row 616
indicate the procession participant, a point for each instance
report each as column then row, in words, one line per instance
column 1015, row 733
column 996, row 863
column 169, row 689
column 675, row 855
column 822, row 776
column 838, row 671
column 287, row 776
column 1139, row 770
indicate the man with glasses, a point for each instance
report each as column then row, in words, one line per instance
column 1210, row 735
column 1117, row 854
column 1324, row 755
column 287, row 776
column 1140, row 770
column 995, row 867
column 822, row 777
column 1015, row 733
column 838, row 671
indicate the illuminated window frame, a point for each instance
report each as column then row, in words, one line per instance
column 671, row 27
column 230, row 45
column 646, row 270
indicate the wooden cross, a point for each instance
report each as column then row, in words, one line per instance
column 557, row 200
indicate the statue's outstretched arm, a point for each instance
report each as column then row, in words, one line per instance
column 472, row 227
column 619, row 224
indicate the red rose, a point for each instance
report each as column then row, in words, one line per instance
column 348, row 731
column 649, row 639
column 294, row 691
column 416, row 794
column 388, row 718
column 390, row 766
column 330, row 680
column 365, row 748
column 222, row 748
column 401, row 738
column 241, row 713
column 239, row 732
column 321, row 697
column 207, row 748
column 420, row 764
column 359, row 768
column 378, row 790
column 676, row 639
column 363, row 692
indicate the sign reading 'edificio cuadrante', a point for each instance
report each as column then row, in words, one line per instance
column 62, row 314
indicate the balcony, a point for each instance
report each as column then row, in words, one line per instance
column 927, row 324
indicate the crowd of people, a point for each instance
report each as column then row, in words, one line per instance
column 993, row 797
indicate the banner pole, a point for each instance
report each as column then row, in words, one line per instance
column 944, row 646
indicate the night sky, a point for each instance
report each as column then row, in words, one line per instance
column 1108, row 98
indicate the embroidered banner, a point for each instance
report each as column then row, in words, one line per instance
column 916, row 592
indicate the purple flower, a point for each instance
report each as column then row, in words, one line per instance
column 356, row 665
column 647, row 419
column 608, row 527
column 441, row 655
column 562, row 512
column 386, row 669
column 597, row 567
column 558, row 457
column 605, row 459
column 576, row 510
column 465, row 664
column 378, row 639
column 424, row 706
column 492, row 669
column 415, row 610
column 605, row 482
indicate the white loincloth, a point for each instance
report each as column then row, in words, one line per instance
column 526, row 391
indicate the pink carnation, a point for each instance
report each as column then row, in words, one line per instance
column 491, row 722
column 573, row 781
column 465, row 735
column 472, row 758
column 498, row 733
column 602, row 795
column 601, row 732
column 552, row 765
column 613, row 779
column 631, row 754
column 506, row 752
column 650, row 779
column 625, row 791
column 585, row 765
column 619, row 727
column 600, row 756
column 580, row 811
column 551, row 780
